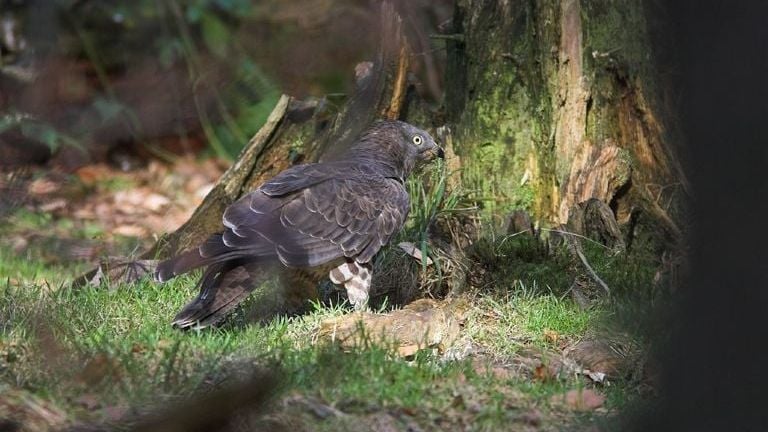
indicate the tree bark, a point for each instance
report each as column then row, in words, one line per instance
column 552, row 103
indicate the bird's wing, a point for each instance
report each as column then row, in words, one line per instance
column 299, row 177
column 305, row 216
column 350, row 213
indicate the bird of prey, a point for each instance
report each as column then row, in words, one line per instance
column 336, row 214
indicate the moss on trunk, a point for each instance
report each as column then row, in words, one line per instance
column 552, row 103
column 498, row 96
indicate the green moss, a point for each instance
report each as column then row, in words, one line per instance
column 506, row 116
column 524, row 197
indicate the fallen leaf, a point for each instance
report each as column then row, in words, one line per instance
column 531, row 417
column 130, row 231
column 43, row 186
column 597, row 377
column 543, row 372
column 413, row 251
column 551, row 336
column 53, row 205
column 579, row 400
column 88, row 401
column 98, row 368
column 92, row 174
column 155, row 202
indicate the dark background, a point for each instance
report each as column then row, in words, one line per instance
column 714, row 364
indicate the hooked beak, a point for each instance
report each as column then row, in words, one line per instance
column 434, row 152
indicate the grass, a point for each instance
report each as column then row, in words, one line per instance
column 523, row 318
column 115, row 346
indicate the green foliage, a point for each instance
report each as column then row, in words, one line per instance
column 520, row 257
column 430, row 197
column 199, row 35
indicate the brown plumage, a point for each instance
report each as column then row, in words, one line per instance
column 340, row 212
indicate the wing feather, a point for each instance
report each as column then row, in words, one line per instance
column 311, row 214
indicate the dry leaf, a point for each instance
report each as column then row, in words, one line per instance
column 579, row 400
column 53, row 205
column 98, row 368
column 413, row 251
column 92, row 174
column 543, row 372
column 597, row 377
column 88, row 401
column 551, row 336
column 130, row 231
column 43, row 186
column 155, row 202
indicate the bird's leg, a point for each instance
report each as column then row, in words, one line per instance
column 356, row 278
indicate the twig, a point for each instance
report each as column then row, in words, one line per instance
column 575, row 235
column 577, row 248
column 591, row 270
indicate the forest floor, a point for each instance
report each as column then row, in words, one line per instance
column 527, row 356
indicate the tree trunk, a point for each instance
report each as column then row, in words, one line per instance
column 554, row 102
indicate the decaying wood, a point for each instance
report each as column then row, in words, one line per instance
column 380, row 91
column 594, row 220
column 573, row 91
column 424, row 323
column 560, row 113
column 596, row 172
column 398, row 85
column 519, row 222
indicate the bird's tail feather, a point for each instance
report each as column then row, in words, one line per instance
column 223, row 286
column 211, row 251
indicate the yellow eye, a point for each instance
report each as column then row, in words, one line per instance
column 418, row 140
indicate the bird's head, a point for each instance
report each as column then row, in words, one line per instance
column 418, row 143
column 399, row 145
